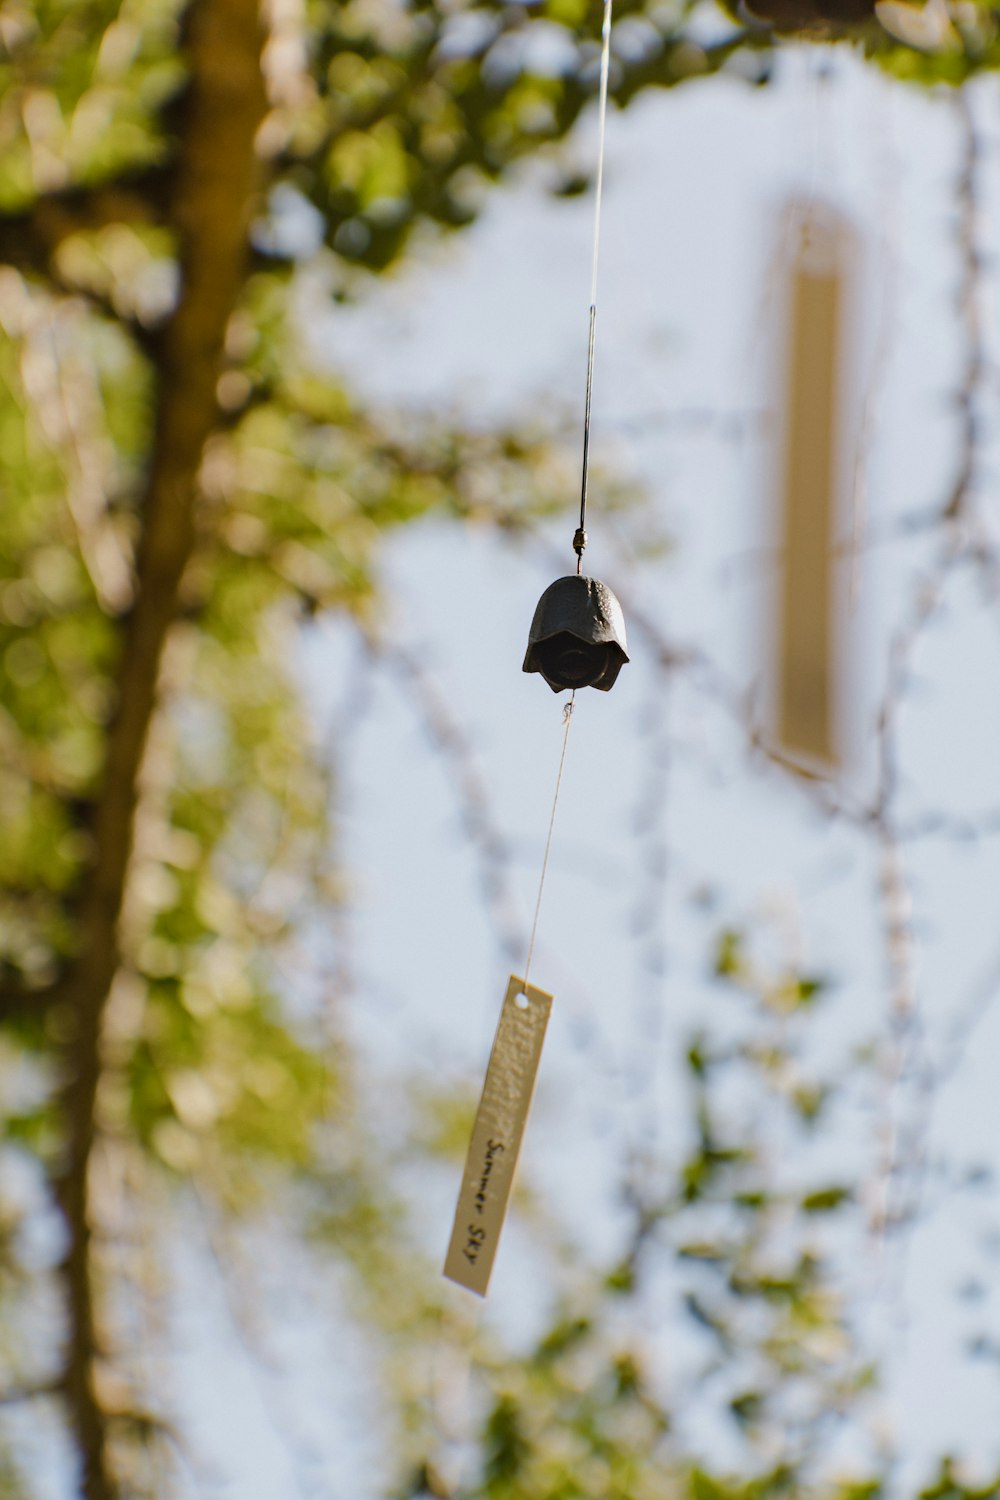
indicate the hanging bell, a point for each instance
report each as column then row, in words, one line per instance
column 577, row 638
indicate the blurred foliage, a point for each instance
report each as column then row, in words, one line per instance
column 726, row 1313
column 226, row 1073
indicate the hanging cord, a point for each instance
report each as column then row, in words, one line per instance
column 567, row 720
column 580, row 538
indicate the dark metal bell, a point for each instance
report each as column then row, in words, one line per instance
column 577, row 638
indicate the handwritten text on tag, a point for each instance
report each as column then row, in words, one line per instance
column 496, row 1135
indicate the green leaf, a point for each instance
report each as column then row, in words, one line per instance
column 729, row 961
column 826, row 1200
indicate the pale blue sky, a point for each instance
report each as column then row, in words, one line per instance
column 491, row 322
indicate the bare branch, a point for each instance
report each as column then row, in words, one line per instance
column 902, row 1156
column 448, row 737
column 970, row 303
column 32, row 237
column 29, row 1392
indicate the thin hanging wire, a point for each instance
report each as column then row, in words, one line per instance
column 580, row 539
column 567, row 720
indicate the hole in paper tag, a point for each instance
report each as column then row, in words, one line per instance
column 496, row 1135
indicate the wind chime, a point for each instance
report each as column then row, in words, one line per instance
column 576, row 640
column 577, row 636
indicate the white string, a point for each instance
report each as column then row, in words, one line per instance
column 580, row 540
column 602, row 119
column 567, row 720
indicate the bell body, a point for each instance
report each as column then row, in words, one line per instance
column 577, row 637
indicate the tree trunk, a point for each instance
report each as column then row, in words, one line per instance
column 215, row 186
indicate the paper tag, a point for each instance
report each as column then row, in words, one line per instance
column 496, row 1135
column 809, row 666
